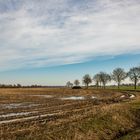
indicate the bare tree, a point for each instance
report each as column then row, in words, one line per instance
column 97, row 80
column 87, row 80
column 118, row 75
column 105, row 78
column 69, row 84
column 19, row 85
column 134, row 75
column 76, row 82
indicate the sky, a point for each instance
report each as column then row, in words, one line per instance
column 50, row 42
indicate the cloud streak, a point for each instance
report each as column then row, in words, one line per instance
column 59, row 32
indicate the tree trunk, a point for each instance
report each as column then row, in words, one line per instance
column 97, row 84
column 87, row 86
column 135, row 84
column 100, row 85
column 118, row 85
column 104, row 86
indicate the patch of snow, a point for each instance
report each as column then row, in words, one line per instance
column 132, row 96
column 73, row 98
column 26, row 118
column 15, row 114
column 93, row 97
column 44, row 96
column 17, row 105
column 122, row 96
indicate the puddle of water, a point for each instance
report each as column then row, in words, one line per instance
column 132, row 96
column 73, row 98
column 17, row 105
column 44, row 96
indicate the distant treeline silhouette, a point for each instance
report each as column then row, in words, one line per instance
column 29, row 86
column 118, row 75
column 101, row 79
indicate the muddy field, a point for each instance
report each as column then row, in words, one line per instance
column 56, row 113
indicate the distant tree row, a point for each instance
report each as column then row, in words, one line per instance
column 10, row 86
column 102, row 78
column 28, row 86
column 19, row 86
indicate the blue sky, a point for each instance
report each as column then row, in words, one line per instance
column 59, row 75
column 53, row 41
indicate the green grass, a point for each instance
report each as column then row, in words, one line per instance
column 124, row 88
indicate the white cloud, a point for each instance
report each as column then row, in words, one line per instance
column 64, row 31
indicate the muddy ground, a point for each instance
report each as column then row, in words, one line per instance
column 40, row 113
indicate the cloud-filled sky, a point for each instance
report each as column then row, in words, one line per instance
column 45, row 33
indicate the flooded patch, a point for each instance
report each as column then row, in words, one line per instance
column 73, row 98
column 17, row 105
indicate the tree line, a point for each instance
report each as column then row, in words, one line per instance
column 21, row 86
column 102, row 78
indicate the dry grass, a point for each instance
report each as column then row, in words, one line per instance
column 107, row 117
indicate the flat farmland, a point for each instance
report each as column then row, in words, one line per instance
column 62, row 113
